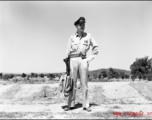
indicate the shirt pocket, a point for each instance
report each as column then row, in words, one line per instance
column 74, row 46
column 86, row 44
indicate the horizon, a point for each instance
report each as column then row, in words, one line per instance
column 61, row 72
column 34, row 34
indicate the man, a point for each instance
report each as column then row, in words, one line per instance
column 78, row 45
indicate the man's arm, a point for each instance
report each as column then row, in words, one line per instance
column 95, row 49
column 66, row 59
column 68, row 48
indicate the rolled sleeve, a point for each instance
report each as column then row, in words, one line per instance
column 95, row 49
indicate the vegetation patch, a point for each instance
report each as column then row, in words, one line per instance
column 144, row 88
column 11, row 92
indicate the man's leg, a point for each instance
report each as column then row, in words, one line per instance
column 78, row 79
column 73, row 72
column 83, row 69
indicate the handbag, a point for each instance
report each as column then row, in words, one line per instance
column 66, row 81
column 65, row 84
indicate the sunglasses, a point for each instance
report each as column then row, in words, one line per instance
column 81, row 24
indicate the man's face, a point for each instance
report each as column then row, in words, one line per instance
column 81, row 27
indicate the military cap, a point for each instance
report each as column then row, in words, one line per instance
column 80, row 21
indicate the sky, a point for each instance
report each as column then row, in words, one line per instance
column 34, row 34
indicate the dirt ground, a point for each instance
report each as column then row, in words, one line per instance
column 29, row 101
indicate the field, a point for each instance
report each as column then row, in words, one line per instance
column 108, row 100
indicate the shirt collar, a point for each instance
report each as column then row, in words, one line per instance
column 83, row 35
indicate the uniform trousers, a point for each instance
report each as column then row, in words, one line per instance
column 79, row 66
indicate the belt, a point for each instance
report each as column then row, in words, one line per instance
column 77, row 55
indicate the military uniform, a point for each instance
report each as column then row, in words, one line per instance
column 79, row 65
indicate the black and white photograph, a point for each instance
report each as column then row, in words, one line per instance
column 75, row 60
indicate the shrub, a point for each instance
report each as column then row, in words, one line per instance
column 23, row 75
column 42, row 75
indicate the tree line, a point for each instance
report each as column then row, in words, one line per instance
column 31, row 75
column 110, row 74
column 141, row 68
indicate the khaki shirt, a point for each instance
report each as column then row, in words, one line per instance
column 77, row 45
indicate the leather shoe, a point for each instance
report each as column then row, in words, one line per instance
column 87, row 109
column 68, row 108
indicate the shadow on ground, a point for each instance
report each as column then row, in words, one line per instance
column 79, row 105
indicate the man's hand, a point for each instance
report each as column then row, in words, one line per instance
column 86, row 60
column 66, row 60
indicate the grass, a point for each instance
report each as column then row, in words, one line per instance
column 48, row 115
column 25, row 115
column 42, row 81
column 115, row 107
column 144, row 88
column 34, row 81
column 53, row 96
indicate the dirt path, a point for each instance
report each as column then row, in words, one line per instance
column 28, row 101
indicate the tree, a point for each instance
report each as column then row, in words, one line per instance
column 42, row 75
column 141, row 67
column 133, row 78
column 110, row 73
column 1, row 74
column 122, row 75
column 34, row 75
column 23, row 75
column 115, row 74
column 11, row 76
column 127, row 76
column 104, row 74
column 95, row 76
column 144, row 77
column 51, row 76
column 140, row 77
column 149, row 77
column 7, row 76
column 99, row 76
